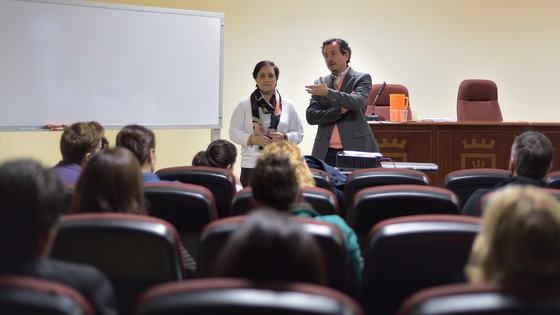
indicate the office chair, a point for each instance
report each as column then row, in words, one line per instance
column 481, row 299
column 134, row 251
column 187, row 207
column 381, row 106
column 371, row 177
column 478, row 100
column 328, row 236
column 232, row 296
column 406, row 254
column 465, row 182
column 219, row 181
column 33, row 296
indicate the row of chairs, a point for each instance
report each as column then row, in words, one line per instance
column 137, row 252
column 476, row 100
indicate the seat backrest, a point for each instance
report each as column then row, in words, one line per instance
column 134, row 251
column 552, row 180
column 320, row 199
column 481, row 299
column 381, row 107
column 220, row 296
column 322, row 179
column 478, row 100
column 375, row 204
column 219, row 181
column 34, row 296
column 328, row 236
column 372, row 177
column 187, row 207
column 464, row 182
column 406, row 254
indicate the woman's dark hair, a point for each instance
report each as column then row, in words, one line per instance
column 220, row 153
column 138, row 139
column 271, row 246
column 263, row 63
column 110, row 182
column 274, row 182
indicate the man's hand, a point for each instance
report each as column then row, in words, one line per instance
column 320, row 89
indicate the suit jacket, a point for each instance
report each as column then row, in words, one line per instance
column 89, row 281
column 354, row 130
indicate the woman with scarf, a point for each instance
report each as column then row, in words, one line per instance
column 262, row 118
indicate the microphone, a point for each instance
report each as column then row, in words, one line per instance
column 373, row 116
column 379, row 92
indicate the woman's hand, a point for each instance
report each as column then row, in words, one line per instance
column 261, row 141
column 276, row 136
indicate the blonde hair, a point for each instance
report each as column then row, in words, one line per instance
column 519, row 245
column 292, row 151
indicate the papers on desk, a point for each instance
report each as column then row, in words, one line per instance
column 376, row 155
column 423, row 167
column 440, row 119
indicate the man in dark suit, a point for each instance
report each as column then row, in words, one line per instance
column 338, row 104
column 32, row 203
column 530, row 160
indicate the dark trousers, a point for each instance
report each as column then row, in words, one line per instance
column 245, row 177
column 331, row 156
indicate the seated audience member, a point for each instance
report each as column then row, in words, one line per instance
column 142, row 142
column 275, row 185
column 33, row 200
column 292, row 151
column 220, row 153
column 530, row 161
column 78, row 143
column 271, row 246
column 112, row 182
column 519, row 245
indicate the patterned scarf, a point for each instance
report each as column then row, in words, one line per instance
column 257, row 100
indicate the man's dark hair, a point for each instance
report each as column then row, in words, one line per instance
column 274, row 182
column 532, row 152
column 344, row 47
column 33, row 200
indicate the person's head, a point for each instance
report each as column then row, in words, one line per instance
column 80, row 141
column 336, row 53
column 110, row 182
column 271, row 246
column 142, row 142
column 519, row 245
column 33, row 200
column 531, row 155
column 292, row 151
column 220, row 153
column 274, row 182
column 266, row 75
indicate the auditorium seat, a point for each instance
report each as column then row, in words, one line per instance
column 371, row 177
column 406, row 254
column 465, row 182
column 219, row 296
column 187, row 207
column 381, row 107
column 329, row 238
column 552, row 180
column 481, row 299
column 134, row 251
column 21, row 295
column 322, row 179
column 478, row 100
column 219, row 181
column 320, row 199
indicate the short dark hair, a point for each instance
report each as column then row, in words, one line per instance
column 263, row 63
column 271, row 246
column 344, row 47
column 220, row 153
column 138, row 139
column 33, row 200
column 79, row 139
column 274, row 182
column 532, row 152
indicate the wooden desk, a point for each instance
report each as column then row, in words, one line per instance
column 457, row 145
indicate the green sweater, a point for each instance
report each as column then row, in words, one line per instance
column 354, row 253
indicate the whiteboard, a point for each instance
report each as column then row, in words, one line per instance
column 67, row 61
